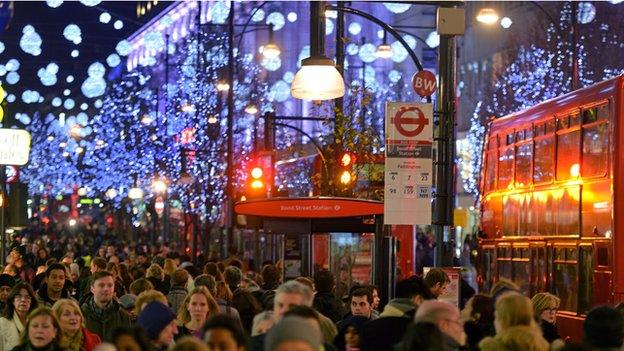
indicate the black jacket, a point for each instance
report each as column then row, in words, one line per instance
column 328, row 305
column 104, row 323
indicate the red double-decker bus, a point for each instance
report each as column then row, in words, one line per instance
column 552, row 204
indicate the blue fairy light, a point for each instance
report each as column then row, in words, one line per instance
column 433, row 39
column 289, row 77
column 154, row 40
column 96, row 69
column 52, row 68
column 66, row 92
column 397, row 8
column 292, row 17
column 12, row 77
column 3, row 70
column 271, row 64
column 84, row 106
column 93, row 87
column 380, row 34
column 277, row 20
column 355, row 28
column 113, row 60
column 258, row 16
column 10, row 98
column 30, row 41
column 352, row 49
column 329, row 26
column 166, row 21
column 118, row 24
column 303, row 54
column 69, row 104
column 90, row 3
column 1, row 47
column 280, row 91
column 220, row 12
column 399, row 53
column 57, row 101
column 73, row 33
column 172, row 49
column 75, row 53
column 54, row 3
column 410, row 40
column 394, row 76
column 123, row 48
column 69, row 78
column 12, row 65
column 82, row 118
column 46, row 77
column 367, row 53
column 97, row 103
column 586, row 12
column 105, row 17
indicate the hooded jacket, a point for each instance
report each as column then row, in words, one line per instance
column 389, row 328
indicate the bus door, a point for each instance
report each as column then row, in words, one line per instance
column 538, row 267
column 564, row 275
column 487, row 267
column 597, row 259
column 521, row 268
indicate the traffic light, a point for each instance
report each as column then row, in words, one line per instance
column 346, row 178
column 256, row 184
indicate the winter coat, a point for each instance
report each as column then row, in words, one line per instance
column 327, row 304
column 53, row 346
column 10, row 330
column 103, row 322
column 45, row 300
column 90, row 340
column 518, row 338
column 389, row 328
column 176, row 297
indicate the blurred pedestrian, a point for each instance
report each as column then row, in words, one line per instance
column 159, row 322
column 422, row 336
column 196, row 308
column 74, row 336
column 478, row 316
column 222, row 333
column 447, row 318
column 42, row 332
column 6, row 284
column 101, row 311
column 20, row 303
column 603, row 329
column 293, row 333
column 545, row 306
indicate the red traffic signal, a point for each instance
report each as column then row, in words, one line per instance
column 256, row 184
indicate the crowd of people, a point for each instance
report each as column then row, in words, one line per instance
column 124, row 298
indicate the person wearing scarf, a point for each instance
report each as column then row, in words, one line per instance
column 73, row 334
column 42, row 332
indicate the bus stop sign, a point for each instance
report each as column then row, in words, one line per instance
column 424, row 83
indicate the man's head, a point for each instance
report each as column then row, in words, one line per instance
column 445, row 316
column 159, row 321
column 98, row 264
column 293, row 334
column 437, row 281
column 6, row 284
column 179, row 278
column 603, row 328
column 289, row 294
column 233, row 276
column 361, row 299
column 271, row 276
column 413, row 288
column 55, row 277
column 324, row 281
column 208, row 281
column 140, row 285
column 102, row 287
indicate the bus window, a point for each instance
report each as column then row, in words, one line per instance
column 564, row 277
column 568, row 155
column 521, row 267
column 597, row 208
column 595, row 150
column 505, row 168
column 511, row 208
column 544, row 163
column 524, row 156
column 490, row 171
column 568, row 211
column 544, row 212
column 586, row 284
column 503, row 262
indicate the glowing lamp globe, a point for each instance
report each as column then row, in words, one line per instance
column 159, row 186
column 487, row 16
column 318, row 79
column 384, row 51
column 271, row 51
column 256, row 172
column 345, row 177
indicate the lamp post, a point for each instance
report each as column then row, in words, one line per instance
column 489, row 16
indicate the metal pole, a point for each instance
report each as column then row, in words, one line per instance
column 445, row 197
column 3, row 206
column 230, row 142
column 269, row 145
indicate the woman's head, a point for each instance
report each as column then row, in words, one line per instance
column 480, row 309
column 21, row 299
column 154, row 271
column 545, row 306
column 513, row 309
column 41, row 328
column 69, row 316
column 131, row 339
column 350, row 332
column 198, row 305
column 169, row 266
column 223, row 291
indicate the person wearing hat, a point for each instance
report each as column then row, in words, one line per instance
column 6, row 284
column 128, row 302
column 159, row 322
column 293, row 333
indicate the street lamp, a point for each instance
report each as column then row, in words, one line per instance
column 384, row 50
column 487, row 16
column 135, row 193
column 318, row 78
column 159, row 186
